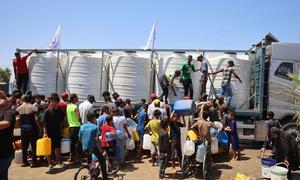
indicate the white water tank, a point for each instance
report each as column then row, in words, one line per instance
column 42, row 73
column 130, row 76
column 241, row 92
column 167, row 64
column 84, row 75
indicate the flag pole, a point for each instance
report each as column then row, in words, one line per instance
column 57, row 65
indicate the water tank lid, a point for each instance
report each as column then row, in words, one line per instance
column 130, row 52
column 87, row 51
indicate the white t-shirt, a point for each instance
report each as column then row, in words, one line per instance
column 84, row 108
column 119, row 122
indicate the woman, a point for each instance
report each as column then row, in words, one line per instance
column 285, row 149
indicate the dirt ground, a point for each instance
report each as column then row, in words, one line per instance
column 132, row 170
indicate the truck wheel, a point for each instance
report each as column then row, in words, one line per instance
column 293, row 129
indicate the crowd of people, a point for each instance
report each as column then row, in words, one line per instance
column 95, row 131
column 61, row 116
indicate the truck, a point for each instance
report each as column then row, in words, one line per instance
column 272, row 89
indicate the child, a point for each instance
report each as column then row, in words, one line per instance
column 141, row 119
column 154, row 127
column 54, row 118
column 88, row 136
column 234, row 139
column 175, row 126
column 164, row 146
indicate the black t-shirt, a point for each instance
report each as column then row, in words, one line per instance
column 163, row 142
column 6, row 135
column 175, row 130
column 53, row 120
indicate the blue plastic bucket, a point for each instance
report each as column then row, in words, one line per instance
column 266, row 164
column 223, row 138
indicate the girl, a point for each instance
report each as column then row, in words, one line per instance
column 234, row 139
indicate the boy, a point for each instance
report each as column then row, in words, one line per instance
column 154, row 127
column 102, row 119
column 53, row 125
column 164, row 146
column 175, row 126
column 88, row 136
column 141, row 119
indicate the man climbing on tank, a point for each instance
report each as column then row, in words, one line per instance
column 204, row 74
column 186, row 76
column 225, row 86
column 165, row 82
column 21, row 70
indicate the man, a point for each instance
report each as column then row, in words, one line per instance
column 115, row 96
column 204, row 74
column 21, row 71
column 86, row 107
column 88, row 136
column 128, row 108
column 53, row 125
column 226, row 87
column 64, row 101
column 111, row 106
column 30, row 128
column 151, row 106
column 186, row 76
column 272, row 122
column 73, row 118
column 165, row 82
column 7, row 124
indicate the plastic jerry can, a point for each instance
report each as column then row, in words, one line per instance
column 65, row 146
column 185, row 107
column 19, row 156
column 43, row 147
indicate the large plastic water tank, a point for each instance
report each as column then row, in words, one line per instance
column 242, row 68
column 42, row 73
column 84, row 75
column 167, row 64
column 130, row 76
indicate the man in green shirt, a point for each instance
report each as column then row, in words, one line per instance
column 186, row 76
column 73, row 118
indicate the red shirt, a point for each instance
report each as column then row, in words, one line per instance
column 106, row 128
column 63, row 105
column 20, row 65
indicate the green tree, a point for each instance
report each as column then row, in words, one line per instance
column 5, row 74
column 296, row 79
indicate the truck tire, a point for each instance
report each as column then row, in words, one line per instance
column 293, row 129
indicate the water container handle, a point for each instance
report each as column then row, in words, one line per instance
column 282, row 163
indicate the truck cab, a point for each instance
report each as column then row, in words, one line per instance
column 272, row 89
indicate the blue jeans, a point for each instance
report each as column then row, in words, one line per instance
column 227, row 88
column 4, row 165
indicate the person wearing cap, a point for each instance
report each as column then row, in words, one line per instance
column 226, row 87
column 186, row 76
column 151, row 106
column 64, row 101
column 165, row 82
column 85, row 107
column 21, row 71
column 157, row 106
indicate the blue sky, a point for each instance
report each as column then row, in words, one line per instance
column 230, row 24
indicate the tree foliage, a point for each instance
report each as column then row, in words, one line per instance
column 5, row 74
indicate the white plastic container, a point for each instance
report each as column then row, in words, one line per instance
column 65, row 146
column 130, row 76
column 214, row 146
column 19, row 156
column 84, row 75
column 278, row 172
column 167, row 64
column 242, row 67
column 147, row 142
column 42, row 73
